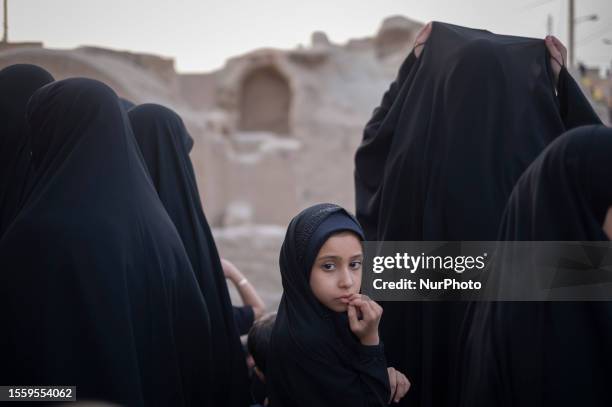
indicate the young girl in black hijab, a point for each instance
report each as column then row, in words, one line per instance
column 326, row 349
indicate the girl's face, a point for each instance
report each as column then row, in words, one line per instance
column 336, row 272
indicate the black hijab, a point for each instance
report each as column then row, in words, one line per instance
column 566, row 192
column 315, row 359
column 17, row 83
column 165, row 144
column 96, row 288
column 548, row 353
column 438, row 160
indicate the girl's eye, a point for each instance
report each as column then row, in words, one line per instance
column 328, row 266
column 355, row 265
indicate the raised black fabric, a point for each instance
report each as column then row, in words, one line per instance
column 17, row 83
column 165, row 144
column 438, row 160
column 556, row 353
column 315, row 360
column 96, row 289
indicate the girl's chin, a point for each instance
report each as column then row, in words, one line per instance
column 339, row 307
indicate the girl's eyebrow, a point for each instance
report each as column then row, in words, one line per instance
column 329, row 256
column 335, row 257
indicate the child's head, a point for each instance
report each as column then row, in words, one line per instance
column 336, row 271
column 333, row 260
column 258, row 341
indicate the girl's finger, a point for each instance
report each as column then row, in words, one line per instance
column 352, row 316
column 352, row 299
column 392, row 382
column 398, row 387
column 368, row 311
column 356, row 301
column 402, row 387
column 360, row 307
column 377, row 307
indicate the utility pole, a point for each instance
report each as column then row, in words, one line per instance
column 570, row 28
column 549, row 25
column 5, row 36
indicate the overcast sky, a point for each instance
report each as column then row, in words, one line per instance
column 202, row 34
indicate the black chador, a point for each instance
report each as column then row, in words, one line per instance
column 96, row 288
column 438, row 161
column 547, row 353
column 165, row 145
column 17, row 83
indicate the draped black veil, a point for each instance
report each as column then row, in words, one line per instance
column 438, row 161
column 96, row 288
column 17, row 84
column 547, row 353
column 165, row 144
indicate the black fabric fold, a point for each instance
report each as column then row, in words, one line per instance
column 165, row 144
column 547, row 353
column 438, row 161
column 96, row 288
column 17, row 84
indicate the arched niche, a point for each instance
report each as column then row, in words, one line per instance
column 265, row 101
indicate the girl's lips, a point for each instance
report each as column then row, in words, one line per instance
column 344, row 298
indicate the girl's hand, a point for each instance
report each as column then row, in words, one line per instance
column 421, row 38
column 558, row 54
column 366, row 328
column 399, row 384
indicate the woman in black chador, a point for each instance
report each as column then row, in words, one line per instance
column 96, row 289
column 468, row 112
column 548, row 353
column 165, row 145
column 321, row 352
column 17, row 83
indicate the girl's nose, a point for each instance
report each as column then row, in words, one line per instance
column 346, row 279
